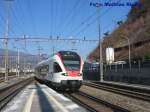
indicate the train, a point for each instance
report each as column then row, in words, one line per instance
column 63, row 70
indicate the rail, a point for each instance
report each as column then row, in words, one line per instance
column 2, row 79
column 8, row 92
column 130, row 91
column 92, row 103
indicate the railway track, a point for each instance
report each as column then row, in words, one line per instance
column 138, row 93
column 94, row 104
column 2, row 79
column 7, row 93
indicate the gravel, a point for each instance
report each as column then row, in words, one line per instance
column 131, row 104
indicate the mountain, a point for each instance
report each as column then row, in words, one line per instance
column 13, row 56
column 13, row 53
column 136, row 29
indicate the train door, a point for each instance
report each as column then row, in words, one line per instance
column 57, row 71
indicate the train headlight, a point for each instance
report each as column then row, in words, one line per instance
column 80, row 74
column 64, row 74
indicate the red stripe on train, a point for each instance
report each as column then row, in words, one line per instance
column 73, row 73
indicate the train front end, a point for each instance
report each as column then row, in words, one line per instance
column 72, row 65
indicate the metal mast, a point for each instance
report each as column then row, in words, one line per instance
column 39, row 53
column 100, row 45
column 6, row 38
column 18, row 63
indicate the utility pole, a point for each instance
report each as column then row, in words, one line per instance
column 24, row 66
column 16, row 67
column 25, row 43
column 24, row 36
column 6, row 38
column 129, row 57
column 73, row 45
column 53, row 49
column 100, row 46
column 129, row 46
column 18, row 64
column 39, row 53
column 6, row 59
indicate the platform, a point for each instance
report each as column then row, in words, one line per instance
column 40, row 98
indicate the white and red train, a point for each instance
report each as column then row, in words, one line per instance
column 63, row 70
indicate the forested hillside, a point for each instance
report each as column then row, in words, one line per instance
column 136, row 28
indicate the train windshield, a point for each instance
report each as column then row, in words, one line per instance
column 72, row 65
column 71, row 60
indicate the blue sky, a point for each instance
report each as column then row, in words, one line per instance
column 64, row 18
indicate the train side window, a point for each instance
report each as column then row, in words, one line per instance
column 44, row 69
column 57, row 68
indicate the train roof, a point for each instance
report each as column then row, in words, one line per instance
column 68, row 52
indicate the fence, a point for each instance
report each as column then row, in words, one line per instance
column 138, row 74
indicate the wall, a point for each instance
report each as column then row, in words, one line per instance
column 137, row 74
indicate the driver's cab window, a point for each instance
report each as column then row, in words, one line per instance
column 57, row 68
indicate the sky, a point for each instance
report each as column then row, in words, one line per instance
column 64, row 18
